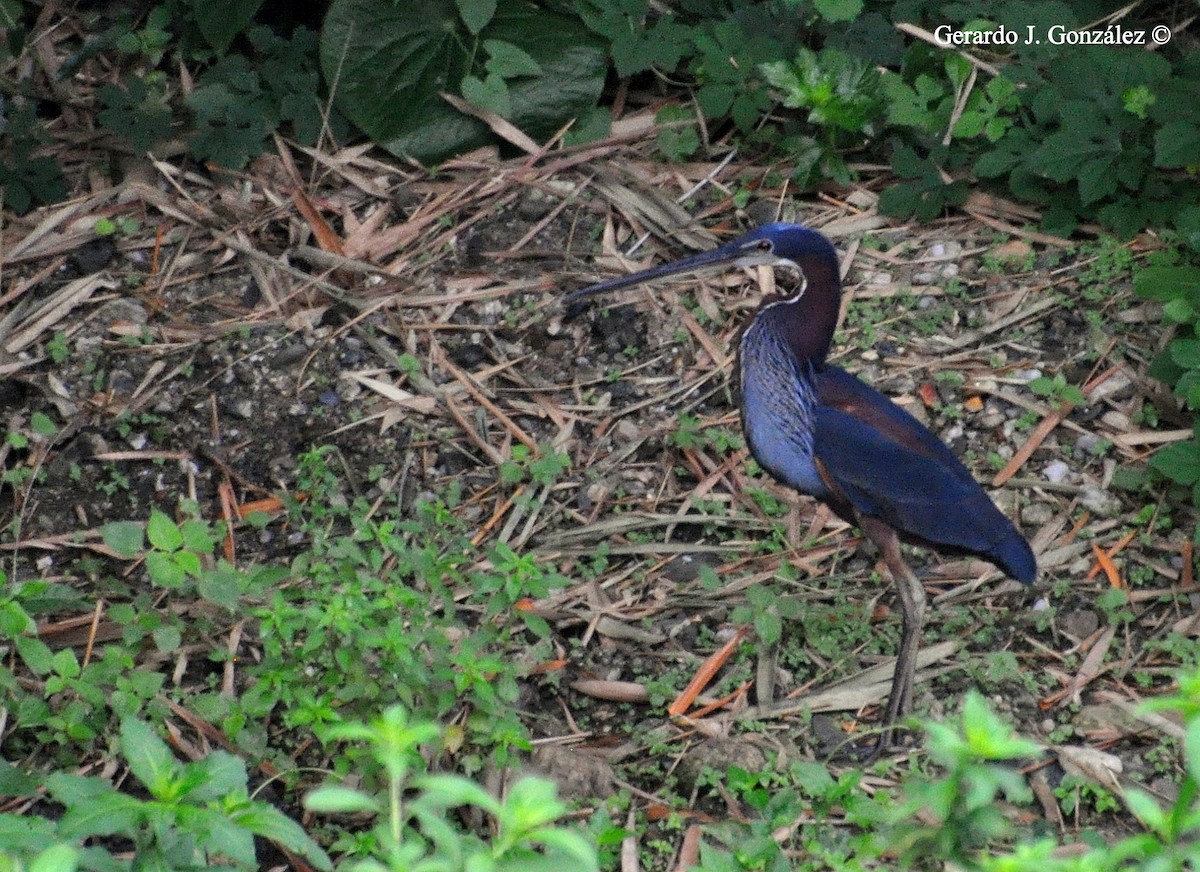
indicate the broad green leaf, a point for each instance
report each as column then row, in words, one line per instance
column 164, row 571
column 56, row 858
column 392, row 61
column 340, row 800
column 1177, row 144
column 219, row 23
column 490, row 94
column 1165, row 283
column 149, row 758
column 14, row 620
column 223, row 775
column 1146, row 808
column 66, row 664
column 167, row 639
column 451, row 790
column 1179, row 462
column 270, row 823
column 1185, row 352
column 163, row 533
column 36, row 654
column 509, row 61
column 189, row 562
column 838, row 10
column 110, row 814
column 476, row 14
column 197, row 536
column 127, row 538
column 41, row 424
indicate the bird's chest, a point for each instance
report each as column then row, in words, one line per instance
column 778, row 402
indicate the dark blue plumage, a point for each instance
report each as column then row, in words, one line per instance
column 824, row 432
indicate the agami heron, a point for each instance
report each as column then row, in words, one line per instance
column 824, row 432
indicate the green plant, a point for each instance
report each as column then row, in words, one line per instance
column 962, row 802
column 840, row 93
column 403, row 607
column 198, row 814
column 535, row 67
column 1057, row 390
column 414, row 832
column 1178, row 289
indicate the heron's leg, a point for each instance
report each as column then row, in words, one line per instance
column 912, row 604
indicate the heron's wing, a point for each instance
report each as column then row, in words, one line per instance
column 887, row 465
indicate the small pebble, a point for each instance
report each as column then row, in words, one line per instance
column 1041, row 605
column 1027, row 374
column 626, row 430
column 950, row 270
column 1090, row 443
column 926, row 302
column 1056, row 471
column 1116, row 420
column 924, row 278
column 1036, row 514
column 1100, row 502
column 244, row 409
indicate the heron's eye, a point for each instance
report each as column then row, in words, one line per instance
column 765, row 245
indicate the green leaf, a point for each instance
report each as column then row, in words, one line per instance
column 127, row 538
column 164, row 571
column 220, row 23
column 1179, row 462
column 452, row 790
column 676, row 142
column 14, row 620
column 1185, row 352
column 163, row 533
column 188, row 562
column 270, row 823
column 1179, row 311
column 476, row 14
column 66, row 664
column 570, row 843
column 1177, row 144
column 509, row 61
column 135, row 113
column 490, row 94
column 231, row 125
column 1165, row 283
column 149, row 758
column 108, row 814
column 197, row 536
column 222, row 586
column 1146, row 808
column 36, row 654
column 167, row 639
column 838, row 10
column 56, row 858
column 42, row 425
column 1191, row 748
column 340, row 800
column 392, row 61
column 768, row 626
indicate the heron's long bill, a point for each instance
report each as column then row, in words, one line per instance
column 729, row 253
